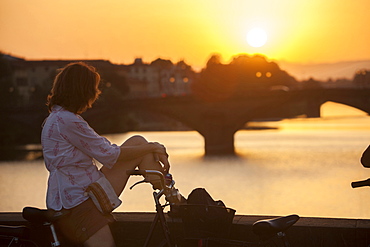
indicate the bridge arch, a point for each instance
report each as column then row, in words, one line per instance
column 335, row 109
column 218, row 122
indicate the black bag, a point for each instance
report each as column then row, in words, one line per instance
column 204, row 217
column 200, row 196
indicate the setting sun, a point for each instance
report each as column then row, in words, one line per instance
column 292, row 31
column 257, row 37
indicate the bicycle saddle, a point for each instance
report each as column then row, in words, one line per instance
column 275, row 225
column 15, row 231
column 42, row 216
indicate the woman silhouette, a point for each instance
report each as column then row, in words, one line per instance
column 71, row 148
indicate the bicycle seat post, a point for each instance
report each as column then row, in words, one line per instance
column 54, row 234
column 282, row 236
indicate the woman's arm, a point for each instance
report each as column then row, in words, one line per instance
column 133, row 152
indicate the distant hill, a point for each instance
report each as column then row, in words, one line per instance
column 324, row 71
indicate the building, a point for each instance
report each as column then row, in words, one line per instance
column 160, row 78
column 31, row 75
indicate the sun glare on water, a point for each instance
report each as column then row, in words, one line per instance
column 256, row 37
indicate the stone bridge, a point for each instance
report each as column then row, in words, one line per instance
column 218, row 121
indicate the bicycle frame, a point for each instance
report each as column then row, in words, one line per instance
column 159, row 217
column 265, row 229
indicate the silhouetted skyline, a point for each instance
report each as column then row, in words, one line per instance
column 300, row 71
column 120, row 31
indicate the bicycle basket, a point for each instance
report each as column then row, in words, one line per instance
column 201, row 221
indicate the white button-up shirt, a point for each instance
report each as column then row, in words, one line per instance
column 70, row 146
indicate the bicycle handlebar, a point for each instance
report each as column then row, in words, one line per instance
column 144, row 173
column 136, row 172
column 362, row 183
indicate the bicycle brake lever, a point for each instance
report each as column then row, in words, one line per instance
column 142, row 181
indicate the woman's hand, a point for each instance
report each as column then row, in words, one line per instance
column 161, row 155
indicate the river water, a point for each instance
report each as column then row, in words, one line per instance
column 304, row 166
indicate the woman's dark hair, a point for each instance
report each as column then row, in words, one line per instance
column 75, row 88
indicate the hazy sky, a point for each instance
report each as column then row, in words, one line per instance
column 121, row 30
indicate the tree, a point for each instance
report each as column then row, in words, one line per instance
column 243, row 74
column 362, row 78
column 214, row 60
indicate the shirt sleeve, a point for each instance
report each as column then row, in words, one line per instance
column 76, row 131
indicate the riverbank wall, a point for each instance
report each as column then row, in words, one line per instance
column 131, row 229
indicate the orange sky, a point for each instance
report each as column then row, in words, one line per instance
column 298, row 31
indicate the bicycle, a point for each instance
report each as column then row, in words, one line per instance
column 20, row 236
column 39, row 219
column 267, row 230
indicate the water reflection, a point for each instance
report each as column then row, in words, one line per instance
column 278, row 172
